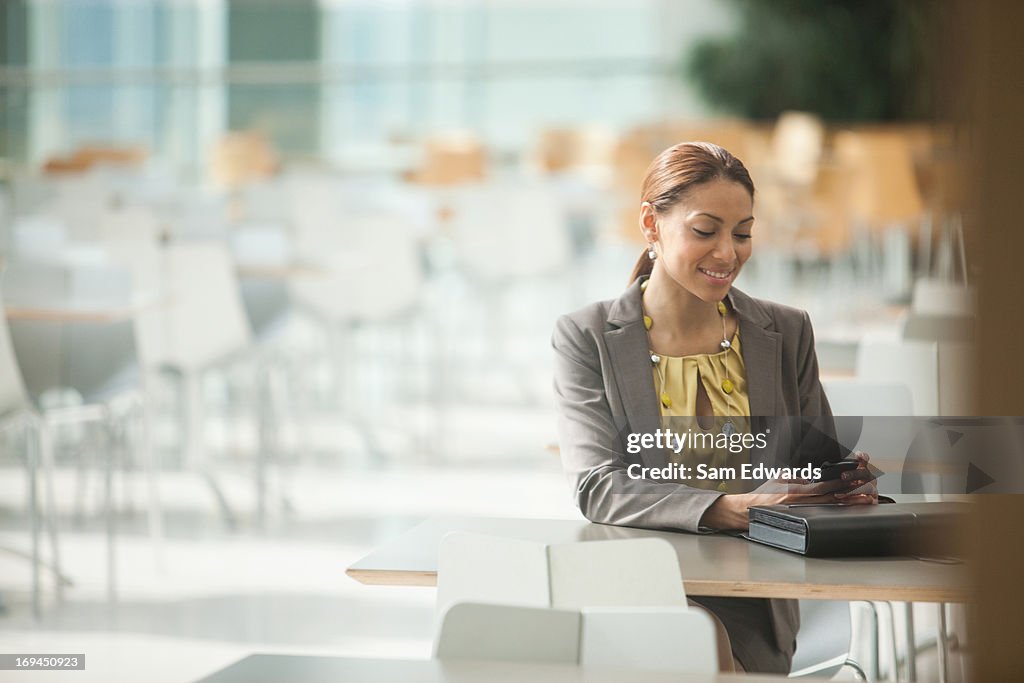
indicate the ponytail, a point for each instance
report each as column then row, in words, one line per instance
column 643, row 268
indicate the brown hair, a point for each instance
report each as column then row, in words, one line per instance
column 679, row 169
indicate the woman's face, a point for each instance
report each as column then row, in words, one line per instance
column 704, row 239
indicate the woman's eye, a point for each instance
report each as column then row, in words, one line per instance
column 703, row 233
column 742, row 237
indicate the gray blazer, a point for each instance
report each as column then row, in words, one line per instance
column 604, row 389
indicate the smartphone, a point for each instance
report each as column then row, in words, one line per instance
column 834, row 470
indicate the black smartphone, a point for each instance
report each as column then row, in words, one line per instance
column 834, row 470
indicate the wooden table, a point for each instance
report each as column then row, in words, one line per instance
column 262, row 668
column 716, row 565
column 68, row 312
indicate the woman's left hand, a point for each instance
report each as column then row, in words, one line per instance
column 862, row 489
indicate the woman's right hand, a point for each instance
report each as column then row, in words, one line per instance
column 730, row 510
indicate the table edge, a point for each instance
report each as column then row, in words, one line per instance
column 710, row 588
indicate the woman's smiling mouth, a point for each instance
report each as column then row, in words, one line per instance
column 718, row 276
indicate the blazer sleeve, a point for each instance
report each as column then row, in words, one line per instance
column 593, row 451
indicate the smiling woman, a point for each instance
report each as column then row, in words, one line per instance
column 682, row 348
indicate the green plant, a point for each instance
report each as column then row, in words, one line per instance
column 846, row 60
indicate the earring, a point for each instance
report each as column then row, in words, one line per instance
column 651, row 254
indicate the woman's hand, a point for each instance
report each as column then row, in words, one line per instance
column 856, row 487
column 860, row 483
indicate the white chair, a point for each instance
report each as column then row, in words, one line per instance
column 938, row 374
column 942, row 298
column 877, row 418
column 511, row 246
column 364, row 280
column 639, row 639
column 19, row 418
column 825, row 639
column 641, row 572
column 84, row 375
column 198, row 325
column 470, row 630
column 941, row 311
column 911, row 363
column 17, row 413
column 648, row 639
column 507, row 231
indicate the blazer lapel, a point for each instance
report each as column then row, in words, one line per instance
column 630, row 357
column 762, row 354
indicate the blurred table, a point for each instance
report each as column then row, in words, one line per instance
column 70, row 314
column 264, row 668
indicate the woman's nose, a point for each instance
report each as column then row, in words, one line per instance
column 724, row 249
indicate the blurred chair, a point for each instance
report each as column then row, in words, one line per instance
column 363, row 276
column 797, row 144
column 451, row 158
column 79, row 202
column 37, row 237
column 199, row 326
column 196, row 215
column 938, row 374
column 128, row 223
column 884, row 200
column 507, row 231
column 513, row 255
column 911, row 363
column 82, row 370
column 18, row 415
column 638, row 639
column 874, row 417
column 884, row 191
column 824, row 640
column 941, row 311
column 562, row 149
column 241, row 157
column 787, row 188
column 264, row 261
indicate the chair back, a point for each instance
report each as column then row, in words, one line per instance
column 375, row 275
column 200, row 319
column 648, row 639
column 797, row 143
column 643, row 639
column 823, row 642
column 508, row 633
column 637, row 572
column 911, row 363
column 874, row 417
column 95, row 354
column 505, row 231
column 625, row 572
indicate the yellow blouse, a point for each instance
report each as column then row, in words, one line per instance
column 677, row 377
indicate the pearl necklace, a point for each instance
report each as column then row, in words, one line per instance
column 728, row 427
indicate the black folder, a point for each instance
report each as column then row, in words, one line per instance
column 912, row 529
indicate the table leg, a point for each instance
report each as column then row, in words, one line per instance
column 908, row 632
column 942, row 644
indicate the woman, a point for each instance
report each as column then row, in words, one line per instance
column 683, row 344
